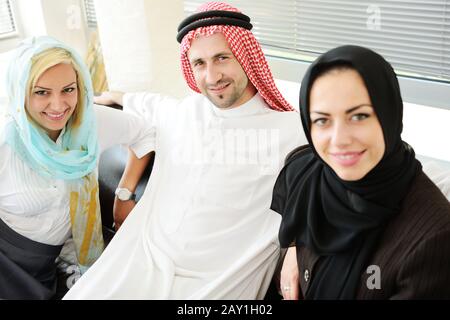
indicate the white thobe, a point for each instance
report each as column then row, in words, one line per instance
column 203, row 228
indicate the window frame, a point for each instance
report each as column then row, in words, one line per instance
column 418, row 91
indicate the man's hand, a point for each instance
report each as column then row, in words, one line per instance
column 109, row 97
column 121, row 210
column 289, row 284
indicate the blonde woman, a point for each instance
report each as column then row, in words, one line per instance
column 49, row 149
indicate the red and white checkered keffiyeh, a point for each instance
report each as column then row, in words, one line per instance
column 247, row 51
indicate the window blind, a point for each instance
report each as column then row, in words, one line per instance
column 414, row 36
column 90, row 13
column 6, row 18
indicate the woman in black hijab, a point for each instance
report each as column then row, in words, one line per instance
column 366, row 222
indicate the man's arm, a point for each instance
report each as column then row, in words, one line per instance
column 109, row 98
column 131, row 176
column 134, row 168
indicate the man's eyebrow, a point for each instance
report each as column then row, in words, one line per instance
column 194, row 60
column 223, row 53
column 219, row 54
column 346, row 111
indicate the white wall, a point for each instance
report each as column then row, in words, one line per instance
column 139, row 45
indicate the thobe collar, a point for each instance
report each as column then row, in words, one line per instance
column 255, row 105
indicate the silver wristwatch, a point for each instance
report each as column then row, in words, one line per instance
column 123, row 194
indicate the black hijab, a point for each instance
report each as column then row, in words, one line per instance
column 339, row 220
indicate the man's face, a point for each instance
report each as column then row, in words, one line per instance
column 218, row 74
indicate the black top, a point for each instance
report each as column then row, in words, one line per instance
column 411, row 259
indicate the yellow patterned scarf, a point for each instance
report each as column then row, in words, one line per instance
column 86, row 221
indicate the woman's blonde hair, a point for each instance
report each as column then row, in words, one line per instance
column 50, row 58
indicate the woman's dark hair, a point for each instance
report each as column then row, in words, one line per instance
column 328, row 68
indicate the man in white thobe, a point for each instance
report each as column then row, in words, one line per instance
column 203, row 228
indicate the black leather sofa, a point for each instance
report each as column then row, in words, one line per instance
column 111, row 166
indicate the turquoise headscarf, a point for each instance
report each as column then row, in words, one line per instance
column 77, row 155
column 73, row 160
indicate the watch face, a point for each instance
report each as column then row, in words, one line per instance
column 123, row 194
